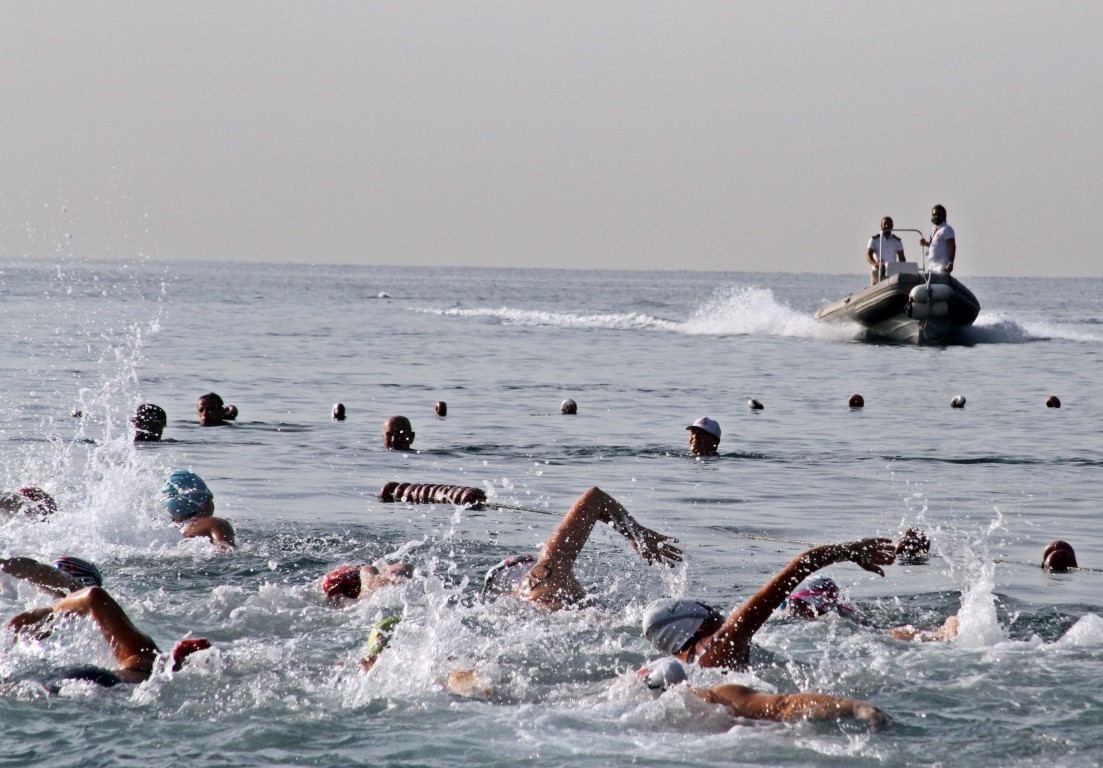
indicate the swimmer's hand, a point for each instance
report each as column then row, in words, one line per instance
column 871, row 554
column 652, row 546
column 23, row 622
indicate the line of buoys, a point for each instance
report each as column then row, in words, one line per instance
column 429, row 493
column 957, row 401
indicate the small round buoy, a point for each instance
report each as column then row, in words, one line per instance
column 441, row 408
column 957, row 402
column 384, row 295
column 1053, row 402
column 754, row 405
column 1058, row 556
column 77, row 413
column 857, row 401
column 568, row 406
column 339, row 412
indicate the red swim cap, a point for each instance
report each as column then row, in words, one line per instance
column 342, row 582
column 186, row 648
column 42, row 502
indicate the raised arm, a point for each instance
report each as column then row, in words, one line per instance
column 730, row 645
column 134, row 650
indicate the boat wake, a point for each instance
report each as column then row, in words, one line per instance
column 996, row 328
column 732, row 311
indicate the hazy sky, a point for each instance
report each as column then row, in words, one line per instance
column 765, row 136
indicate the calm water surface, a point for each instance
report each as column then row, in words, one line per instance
column 643, row 354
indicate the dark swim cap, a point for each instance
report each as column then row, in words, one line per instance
column 83, row 571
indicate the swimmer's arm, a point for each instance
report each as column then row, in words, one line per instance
column 56, row 582
column 650, row 545
column 741, row 625
column 218, row 530
column 742, row 701
column 132, row 648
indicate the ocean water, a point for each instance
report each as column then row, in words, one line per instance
column 644, row 354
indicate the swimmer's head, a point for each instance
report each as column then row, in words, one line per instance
column 380, row 637
column 149, row 422
column 506, row 576
column 185, row 495
column 342, row 582
column 83, row 571
column 398, row 434
column 818, row 597
column 211, row 410
column 186, row 648
column 671, row 624
column 704, row 436
column 664, row 673
column 31, row 501
column 1059, row 556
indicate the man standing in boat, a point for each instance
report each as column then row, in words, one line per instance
column 943, row 244
column 883, row 247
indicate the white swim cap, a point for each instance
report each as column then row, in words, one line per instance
column 670, row 624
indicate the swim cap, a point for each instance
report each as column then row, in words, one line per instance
column 670, row 624
column 821, row 595
column 380, row 636
column 342, row 582
column 40, row 502
column 663, row 674
column 506, row 576
column 186, row 648
column 81, row 570
column 712, row 426
column 186, row 495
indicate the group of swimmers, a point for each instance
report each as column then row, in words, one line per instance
column 685, row 630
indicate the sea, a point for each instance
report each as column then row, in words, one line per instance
column 643, row 354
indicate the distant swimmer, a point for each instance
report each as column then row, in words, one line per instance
column 549, row 580
column 741, row 701
column 704, row 437
column 190, row 504
column 943, row 242
column 883, row 248
column 213, row 412
column 149, row 422
column 67, row 574
column 134, row 651
column 398, row 434
column 352, row 582
column 31, row 501
column 693, row 631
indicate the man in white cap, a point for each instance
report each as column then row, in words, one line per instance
column 695, row 632
column 704, row 436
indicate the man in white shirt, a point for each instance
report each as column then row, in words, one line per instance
column 943, row 244
column 883, row 247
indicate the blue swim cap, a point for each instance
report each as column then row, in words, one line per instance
column 186, row 495
column 83, row 571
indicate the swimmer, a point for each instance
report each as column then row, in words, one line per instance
column 692, row 631
column 134, row 651
column 149, row 422
column 549, row 579
column 190, row 504
column 350, row 582
column 821, row 596
column 30, row 501
column 213, row 412
column 704, row 436
column 741, row 701
column 378, row 639
column 1059, row 556
column 398, row 434
column 67, row 574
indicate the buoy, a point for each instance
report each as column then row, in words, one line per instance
column 957, row 402
column 568, row 406
column 1053, row 402
column 754, row 405
column 857, row 401
column 441, row 408
column 338, row 411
